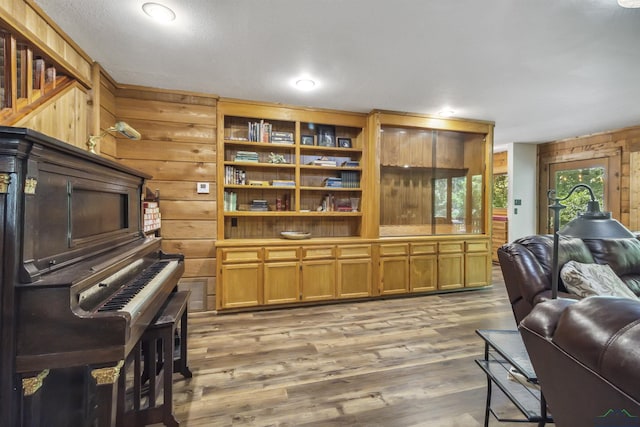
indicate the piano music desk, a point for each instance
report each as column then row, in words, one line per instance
column 158, row 348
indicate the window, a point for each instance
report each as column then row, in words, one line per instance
column 601, row 174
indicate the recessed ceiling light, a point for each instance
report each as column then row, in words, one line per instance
column 629, row 3
column 447, row 112
column 305, row 84
column 159, row 12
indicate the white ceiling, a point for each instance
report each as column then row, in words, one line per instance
column 541, row 69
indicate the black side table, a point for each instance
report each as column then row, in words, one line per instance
column 507, row 365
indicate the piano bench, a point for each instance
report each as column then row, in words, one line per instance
column 164, row 351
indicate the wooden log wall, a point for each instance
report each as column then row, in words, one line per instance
column 624, row 143
column 500, row 163
column 178, row 148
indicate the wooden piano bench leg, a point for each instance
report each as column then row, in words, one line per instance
column 180, row 362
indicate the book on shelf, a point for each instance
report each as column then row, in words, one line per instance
column 351, row 163
column 230, row 201
column 234, row 176
column 246, row 156
column 333, row 182
column 281, row 137
column 283, row 183
column 258, row 183
column 350, row 179
column 259, row 131
column 259, row 205
column 323, row 161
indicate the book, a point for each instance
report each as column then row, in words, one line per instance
column 283, row 183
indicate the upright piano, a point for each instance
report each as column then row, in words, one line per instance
column 80, row 283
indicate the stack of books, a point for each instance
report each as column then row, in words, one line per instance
column 279, row 137
column 246, row 156
column 323, row 161
column 351, row 163
column 333, row 182
column 258, row 205
column 350, row 179
column 283, row 183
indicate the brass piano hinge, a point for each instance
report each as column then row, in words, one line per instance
column 30, row 185
column 32, row 384
column 107, row 375
column 5, row 179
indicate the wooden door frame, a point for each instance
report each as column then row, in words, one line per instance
column 610, row 159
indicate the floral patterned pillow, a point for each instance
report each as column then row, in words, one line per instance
column 587, row 280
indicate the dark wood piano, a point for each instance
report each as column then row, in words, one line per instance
column 80, row 280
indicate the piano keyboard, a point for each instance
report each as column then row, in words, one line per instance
column 133, row 295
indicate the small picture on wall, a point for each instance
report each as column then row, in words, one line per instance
column 306, row 140
column 344, row 142
column 326, row 136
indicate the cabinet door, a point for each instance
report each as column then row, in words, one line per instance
column 281, row 282
column 423, row 273
column 394, row 275
column 241, row 285
column 478, row 269
column 354, row 278
column 450, row 271
column 318, row 280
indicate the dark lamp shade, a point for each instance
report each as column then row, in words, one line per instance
column 596, row 225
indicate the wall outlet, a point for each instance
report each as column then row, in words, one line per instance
column 202, row 188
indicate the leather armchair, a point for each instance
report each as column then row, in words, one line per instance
column 587, row 357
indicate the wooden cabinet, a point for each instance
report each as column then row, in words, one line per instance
column 281, row 282
column 241, row 278
column 281, row 275
column 242, row 285
column 451, row 265
column 395, row 203
column 318, row 273
column 354, row 271
column 394, row 268
column 423, row 267
column 477, row 264
column 318, row 280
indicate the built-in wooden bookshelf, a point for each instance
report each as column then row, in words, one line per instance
column 362, row 243
column 274, row 183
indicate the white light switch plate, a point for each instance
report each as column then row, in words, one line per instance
column 202, row 188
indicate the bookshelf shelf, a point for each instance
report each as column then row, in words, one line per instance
column 330, row 189
column 261, row 165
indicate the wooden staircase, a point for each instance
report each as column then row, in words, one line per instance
column 28, row 79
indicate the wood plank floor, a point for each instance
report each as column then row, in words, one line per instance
column 395, row 362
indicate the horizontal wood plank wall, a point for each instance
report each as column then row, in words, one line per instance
column 624, row 141
column 178, row 148
column 64, row 117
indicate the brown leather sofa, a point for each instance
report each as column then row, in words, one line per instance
column 587, row 358
column 526, row 265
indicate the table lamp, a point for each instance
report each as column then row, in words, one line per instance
column 591, row 224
